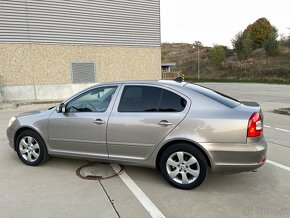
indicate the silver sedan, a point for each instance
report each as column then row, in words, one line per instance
column 180, row 128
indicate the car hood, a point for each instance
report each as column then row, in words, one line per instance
column 45, row 112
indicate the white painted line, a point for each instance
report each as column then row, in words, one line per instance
column 278, row 165
column 139, row 194
column 284, row 130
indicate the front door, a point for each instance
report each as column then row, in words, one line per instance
column 144, row 116
column 81, row 130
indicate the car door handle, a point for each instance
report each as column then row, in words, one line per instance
column 164, row 123
column 99, row 121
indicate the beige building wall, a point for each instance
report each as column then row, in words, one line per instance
column 44, row 64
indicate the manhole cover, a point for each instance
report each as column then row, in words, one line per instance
column 97, row 171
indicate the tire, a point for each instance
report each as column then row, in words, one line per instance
column 183, row 166
column 30, row 148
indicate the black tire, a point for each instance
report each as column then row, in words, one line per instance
column 41, row 150
column 188, row 151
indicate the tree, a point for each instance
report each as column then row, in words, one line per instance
column 271, row 45
column 217, row 54
column 243, row 45
column 248, row 46
column 260, row 30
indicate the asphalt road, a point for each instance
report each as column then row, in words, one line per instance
column 54, row 190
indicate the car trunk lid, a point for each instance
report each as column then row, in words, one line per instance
column 253, row 107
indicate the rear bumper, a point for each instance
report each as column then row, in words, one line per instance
column 234, row 158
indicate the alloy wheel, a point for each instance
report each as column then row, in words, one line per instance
column 29, row 149
column 182, row 167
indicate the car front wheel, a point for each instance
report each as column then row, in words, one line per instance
column 183, row 166
column 31, row 148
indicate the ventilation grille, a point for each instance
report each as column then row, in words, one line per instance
column 83, row 73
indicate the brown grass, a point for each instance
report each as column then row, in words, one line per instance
column 259, row 68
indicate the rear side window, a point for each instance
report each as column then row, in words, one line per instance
column 217, row 96
column 140, row 99
column 150, row 99
column 171, row 102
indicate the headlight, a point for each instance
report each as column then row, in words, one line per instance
column 11, row 121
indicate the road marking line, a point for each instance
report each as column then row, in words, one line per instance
column 139, row 194
column 284, row 130
column 278, row 165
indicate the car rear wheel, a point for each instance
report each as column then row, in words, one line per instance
column 31, row 148
column 183, row 166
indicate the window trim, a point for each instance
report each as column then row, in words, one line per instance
column 188, row 101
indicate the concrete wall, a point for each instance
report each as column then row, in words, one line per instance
column 1, row 89
column 42, row 92
column 22, row 65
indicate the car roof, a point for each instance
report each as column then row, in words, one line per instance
column 170, row 83
column 176, row 85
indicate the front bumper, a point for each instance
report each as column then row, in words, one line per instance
column 10, row 135
column 234, row 157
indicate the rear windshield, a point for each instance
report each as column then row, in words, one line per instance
column 217, row 96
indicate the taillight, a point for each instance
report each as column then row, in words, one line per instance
column 255, row 125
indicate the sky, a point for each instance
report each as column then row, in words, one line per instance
column 218, row 21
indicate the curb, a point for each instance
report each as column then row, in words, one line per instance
column 6, row 106
column 13, row 105
column 282, row 111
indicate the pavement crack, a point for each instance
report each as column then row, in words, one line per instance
column 111, row 201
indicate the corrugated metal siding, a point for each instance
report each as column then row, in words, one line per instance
column 102, row 22
column 83, row 72
column 13, row 21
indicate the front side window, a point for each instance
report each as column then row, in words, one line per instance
column 95, row 100
column 150, row 99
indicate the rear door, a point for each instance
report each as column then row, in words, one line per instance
column 143, row 115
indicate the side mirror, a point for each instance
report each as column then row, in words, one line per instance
column 60, row 108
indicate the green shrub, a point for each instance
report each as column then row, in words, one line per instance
column 217, row 55
column 271, row 45
column 243, row 45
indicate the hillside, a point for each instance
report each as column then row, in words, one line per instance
column 258, row 68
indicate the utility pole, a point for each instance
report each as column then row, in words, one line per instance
column 197, row 44
column 198, row 75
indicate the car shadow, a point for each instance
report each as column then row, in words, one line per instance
column 260, row 181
